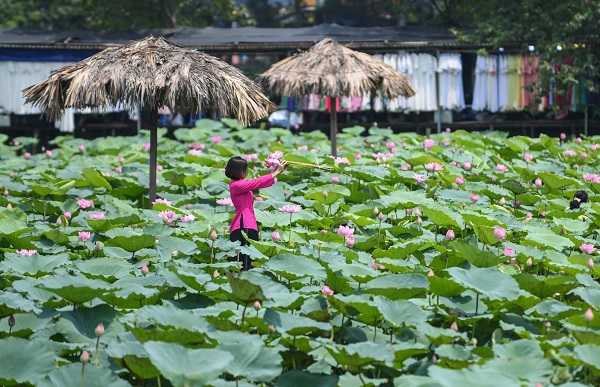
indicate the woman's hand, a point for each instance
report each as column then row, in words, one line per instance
column 280, row 168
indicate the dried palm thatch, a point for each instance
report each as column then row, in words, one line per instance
column 152, row 73
column 333, row 70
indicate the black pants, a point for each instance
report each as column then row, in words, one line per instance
column 236, row 235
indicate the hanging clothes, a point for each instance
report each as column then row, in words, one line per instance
column 479, row 102
column 513, row 82
column 451, row 91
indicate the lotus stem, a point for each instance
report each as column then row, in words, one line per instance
column 243, row 315
column 97, row 345
column 324, row 167
column 82, row 374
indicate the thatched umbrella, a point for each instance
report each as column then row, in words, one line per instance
column 152, row 73
column 333, row 70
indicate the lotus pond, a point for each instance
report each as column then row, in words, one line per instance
column 452, row 260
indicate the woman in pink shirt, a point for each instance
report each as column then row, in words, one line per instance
column 243, row 200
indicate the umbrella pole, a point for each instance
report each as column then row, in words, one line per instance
column 153, row 151
column 333, row 129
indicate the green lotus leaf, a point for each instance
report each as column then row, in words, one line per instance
column 34, row 265
column 293, row 267
column 303, row 378
column 76, row 289
column 294, row 325
column 398, row 286
column 589, row 354
column 17, row 358
column 187, row 367
column 489, row 282
column 252, row 360
column 132, row 243
column 545, row 287
column 443, row 216
column 11, row 303
column 70, row 376
column 400, row 313
column 95, row 178
column 244, row 291
column 514, row 186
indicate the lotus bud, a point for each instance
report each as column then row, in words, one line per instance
column 454, row 326
column 81, row 148
column 474, row 198
column 591, row 263
column 85, row 357
column 256, row 305
column 58, row 222
column 450, row 235
column 213, row 234
column 529, row 261
column 275, row 236
column 376, row 210
column 380, row 216
column 272, row 329
column 144, row 270
column 99, row 330
column 417, row 212
column 98, row 246
column 502, row 201
column 547, row 324
column 9, row 206
column 474, row 341
column 6, row 193
column 434, row 359
column 324, row 193
column 67, row 215
column 499, row 233
column 216, row 273
column 419, row 221
column 11, row 321
column 589, row 315
column 431, row 273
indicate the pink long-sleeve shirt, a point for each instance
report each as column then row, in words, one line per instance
column 243, row 200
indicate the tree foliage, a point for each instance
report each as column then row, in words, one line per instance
column 565, row 34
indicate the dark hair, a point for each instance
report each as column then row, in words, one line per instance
column 580, row 197
column 236, row 168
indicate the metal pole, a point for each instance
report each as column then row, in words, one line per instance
column 333, row 129
column 585, row 120
column 437, row 96
column 153, row 154
column 139, row 118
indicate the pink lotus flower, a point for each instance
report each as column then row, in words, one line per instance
column 341, row 160
column 48, row 153
column 195, row 152
column 251, row 157
column 508, row 251
column 225, row 202
column 590, row 263
column 345, row 231
column 467, row 165
column 67, row 215
column 29, row 253
column 459, row 181
column 587, row 248
column 256, row 305
column 146, row 146
column 500, row 233
column 454, row 326
column 335, row 180
column 377, row 266
column 160, row 167
column 430, row 273
column 303, row 147
column 569, row 152
column 450, row 235
column 501, row 168
column 27, row 155
column 81, row 148
column 291, row 208
column 99, row 331
column 82, row 203
column 275, row 236
column 563, row 136
column 84, row 236
column 213, row 234
column 583, row 155
column 592, row 177
column 589, row 315
column 350, row 240
column 144, row 270
column 419, row 178
column 118, row 169
column 529, row 261
column 165, row 201
column 188, row 218
column 85, row 357
column 538, row 182
column 99, row 215
column 325, row 193
column 121, row 159
column 357, row 156
column 433, row 167
column 326, row 291
column 167, row 216
column 216, row 139
column 474, row 198
column 428, row 143
column 528, row 157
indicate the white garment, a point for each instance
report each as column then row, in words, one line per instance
column 480, row 88
column 503, row 83
column 451, row 90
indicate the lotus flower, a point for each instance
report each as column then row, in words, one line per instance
column 144, row 270
column 474, row 198
column 256, row 305
column 528, row 157
column 377, row 266
column 450, row 235
column 350, row 240
column 225, row 202
column 99, row 331
column 459, row 180
column 83, row 203
column 85, row 357
column 291, row 208
column 275, row 236
column 335, row 180
column 29, row 253
column 419, row 178
column 84, row 236
column 99, row 215
column 587, row 248
column 501, row 168
column 326, row 291
column 428, row 143
column 188, row 218
column 213, row 234
column 345, row 231
column 500, row 233
column 434, row 167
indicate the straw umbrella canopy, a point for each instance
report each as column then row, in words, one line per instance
column 333, row 70
column 152, row 73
